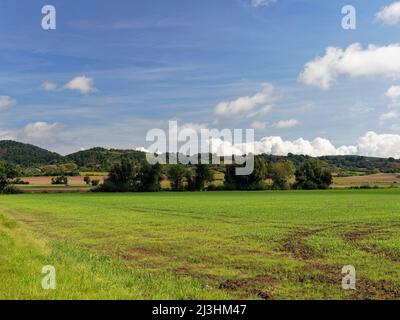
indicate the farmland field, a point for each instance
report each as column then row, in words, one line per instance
column 373, row 180
column 219, row 245
column 75, row 184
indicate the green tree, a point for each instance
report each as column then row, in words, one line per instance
column 122, row 177
column 150, row 177
column 311, row 175
column 176, row 173
column 280, row 173
column 255, row 180
column 7, row 172
column 203, row 175
column 190, row 176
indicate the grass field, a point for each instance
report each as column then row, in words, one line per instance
column 219, row 245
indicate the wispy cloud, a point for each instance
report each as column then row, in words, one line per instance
column 259, row 3
column 49, row 86
column 6, row 102
column 389, row 116
column 393, row 94
column 36, row 132
column 250, row 106
column 285, row 124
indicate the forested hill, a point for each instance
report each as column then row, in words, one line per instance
column 346, row 164
column 27, row 155
column 100, row 159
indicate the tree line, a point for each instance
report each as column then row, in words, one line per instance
column 139, row 176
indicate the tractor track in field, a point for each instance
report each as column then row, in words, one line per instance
column 294, row 243
column 366, row 289
column 187, row 214
column 357, row 236
column 262, row 286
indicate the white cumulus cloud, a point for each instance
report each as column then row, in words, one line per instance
column 7, row 102
column 389, row 14
column 248, row 105
column 379, row 145
column 81, row 83
column 353, row 61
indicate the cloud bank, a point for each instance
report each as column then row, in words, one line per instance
column 371, row 144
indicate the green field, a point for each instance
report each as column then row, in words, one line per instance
column 219, row 245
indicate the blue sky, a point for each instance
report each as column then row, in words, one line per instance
column 146, row 62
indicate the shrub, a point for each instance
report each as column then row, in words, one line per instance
column 7, row 172
column 59, row 180
column 9, row 189
column 86, row 179
column 19, row 181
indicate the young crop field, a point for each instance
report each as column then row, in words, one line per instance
column 219, row 245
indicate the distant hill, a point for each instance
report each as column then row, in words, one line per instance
column 363, row 164
column 344, row 165
column 102, row 159
column 27, row 155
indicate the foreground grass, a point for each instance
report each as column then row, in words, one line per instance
column 80, row 274
column 255, row 245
